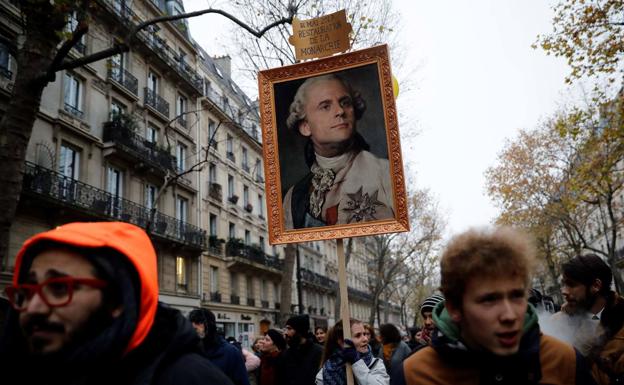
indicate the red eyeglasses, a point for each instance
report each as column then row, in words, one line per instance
column 55, row 292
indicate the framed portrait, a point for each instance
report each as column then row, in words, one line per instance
column 332, row 153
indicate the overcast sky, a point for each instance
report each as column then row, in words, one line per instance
column 477, row 82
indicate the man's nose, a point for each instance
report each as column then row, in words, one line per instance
column 507, row 312
column 36, row 305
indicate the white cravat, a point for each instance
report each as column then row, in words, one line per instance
column 324, row 172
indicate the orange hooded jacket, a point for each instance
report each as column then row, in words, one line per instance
column 125, row 238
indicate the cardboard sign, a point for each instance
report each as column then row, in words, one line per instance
column 320, row 37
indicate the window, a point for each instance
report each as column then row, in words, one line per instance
column 73, row 94
column 71, row 27
column 212, row 173
column 212, row 133
column 181, row 157
column 218, row 71
column 152, row 82
column 181, row 211
column 245, row 196
column 261, row 242
column 276, row 296
column 259, row 173
column 151, row 134
column 181, row 105
column 250, row 291
column 118, row 64
column 229, row 147
column 234, row 283
column 117, row 109
column 69, row 161
column 150, row 196
column 213, row 225
column 245, row 163
column 181, row 273
column 247, row 237
column 230, row 186
column 214, row 279
column 232, row 231
column 114, row 186
column 265, row 289
column 260, row 205
column 5, row 62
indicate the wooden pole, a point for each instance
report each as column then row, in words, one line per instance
column 344, row 301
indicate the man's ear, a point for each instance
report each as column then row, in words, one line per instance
column 304, row 128
column 596, row 286
column 454, row 311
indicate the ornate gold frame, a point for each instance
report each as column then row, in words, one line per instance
column 266, row 80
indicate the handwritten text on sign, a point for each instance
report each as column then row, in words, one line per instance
column 321, row 37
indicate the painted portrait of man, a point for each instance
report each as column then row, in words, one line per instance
column 345, row 176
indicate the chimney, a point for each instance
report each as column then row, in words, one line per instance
column 224, row 62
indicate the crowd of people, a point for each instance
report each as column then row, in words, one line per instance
column 84, row 310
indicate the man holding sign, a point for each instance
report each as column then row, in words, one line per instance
column 346, row 183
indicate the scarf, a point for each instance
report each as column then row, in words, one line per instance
column 323, row 175
column 334, row 371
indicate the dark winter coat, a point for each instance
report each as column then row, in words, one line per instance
column 228, row 358
column 269, row 362
column 541, row 359
column 300, row 364
column 149, row 343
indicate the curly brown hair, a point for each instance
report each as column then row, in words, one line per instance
column 500, row 252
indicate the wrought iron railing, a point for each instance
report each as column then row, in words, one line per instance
column 251, row 302
column 134, row 144
column 265, row 304
column 156, row 101
column 235, row 299
column 129, row 18
column 215, row 296
column 123, row 77
column 96, row 202
column 73, row 111
column 215, row 191
column 317, row 279
column 235, row 248
column 359, row 294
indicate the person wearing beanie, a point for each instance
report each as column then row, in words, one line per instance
column 221, row 353
column 592, row 316
column 302, row 359
column 423, row 337
column 272, row 348
column 85, row 310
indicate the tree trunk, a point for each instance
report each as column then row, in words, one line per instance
column 285, row 295
column 33, row 59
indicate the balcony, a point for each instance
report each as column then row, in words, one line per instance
column 233, row 199
column 359, row 295
column 124, row 78
column 123, row 15
column 264, row 304
column 182, row 121
column 277, row 305
column 235, row 299
column 65, row 192
column 74, row 111
column 251, row 302
column 215, row 296
column 154, row 100
column 316, row 280
column 251, row 259
column 135, row 148
column 230, row 156
column 215, row 245
column 248, row 207
column 245, row 167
